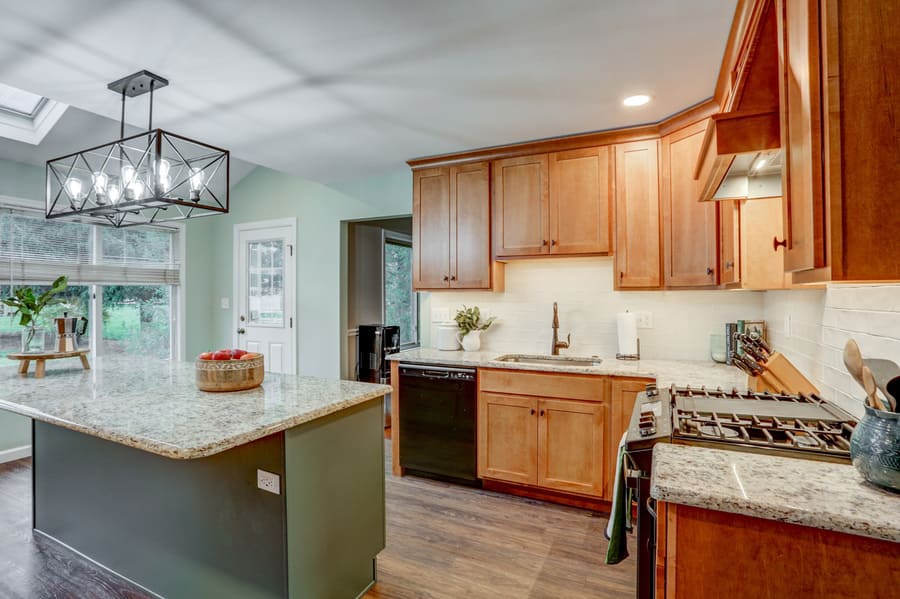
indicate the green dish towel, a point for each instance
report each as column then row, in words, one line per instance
column 620, row 515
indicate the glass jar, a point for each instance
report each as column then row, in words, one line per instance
column 717, row 347
column 33, row 340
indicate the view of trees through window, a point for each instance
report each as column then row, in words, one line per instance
column 76, row 301
column 400, row 301
column 136, row 320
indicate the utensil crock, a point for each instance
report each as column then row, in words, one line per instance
column 875, row 448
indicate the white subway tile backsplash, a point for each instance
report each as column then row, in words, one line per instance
column 821, row 323
column 583, row 287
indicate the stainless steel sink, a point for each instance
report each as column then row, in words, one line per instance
column 550, row 360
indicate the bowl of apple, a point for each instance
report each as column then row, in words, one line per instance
column 229, row 370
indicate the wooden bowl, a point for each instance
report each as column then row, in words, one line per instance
column 229, row 375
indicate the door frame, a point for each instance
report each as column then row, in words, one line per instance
column 290, row 308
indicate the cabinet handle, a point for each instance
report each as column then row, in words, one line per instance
column 446, row 278
column 621, row 274
column 532, row 411
column 729, row 265
column 552, row 242
column 542, row 412
column 453, row 278
column 709, row 271
column 776, row 243
column 543, row 242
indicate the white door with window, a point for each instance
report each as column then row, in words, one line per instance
column 265, row 291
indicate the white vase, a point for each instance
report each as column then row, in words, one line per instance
column 471, row 341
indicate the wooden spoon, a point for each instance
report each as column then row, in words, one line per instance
column 884, row 371
column 853, row 361
column 871, row 390
column 893, row 389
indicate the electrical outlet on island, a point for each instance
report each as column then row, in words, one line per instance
column 644, row 320
column 225, row 302
column 267, row 481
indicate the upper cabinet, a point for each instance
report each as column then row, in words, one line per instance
column 553, row 204
column 689, row 226
column 580, row 201
column 638, row 246
column 840, row 105
column 451, row 228
column 521, row 206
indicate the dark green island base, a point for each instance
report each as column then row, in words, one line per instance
column 201, row 528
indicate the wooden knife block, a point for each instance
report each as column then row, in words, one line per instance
column 781, row 376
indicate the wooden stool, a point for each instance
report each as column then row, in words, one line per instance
column 41, row 359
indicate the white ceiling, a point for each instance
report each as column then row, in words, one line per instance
column 345, row 88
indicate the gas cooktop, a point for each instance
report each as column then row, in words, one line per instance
column 795, row 425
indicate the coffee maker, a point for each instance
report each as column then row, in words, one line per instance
column 67, row 329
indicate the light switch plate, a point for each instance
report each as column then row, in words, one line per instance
column 644, row 320
column 440, row 314
column 226, row 303
column 267, row 481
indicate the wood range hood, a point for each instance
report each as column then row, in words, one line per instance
column 740, row 157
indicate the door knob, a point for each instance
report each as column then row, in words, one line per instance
column 242, row 318
column 709, row 271
column 241, row 331
column 446, row 278
column 776, row 243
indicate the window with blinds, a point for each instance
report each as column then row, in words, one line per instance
column 36, row 250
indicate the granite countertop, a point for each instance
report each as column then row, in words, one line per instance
column 806, row 492
column 155, row 406
column 665, row 372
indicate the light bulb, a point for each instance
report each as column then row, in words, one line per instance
column 136, row 187
column 74, row 187
column 760, row 162
column 113, row 191
column 100, row 181
column 127, row 174
column 163, row 170
column 197, row 179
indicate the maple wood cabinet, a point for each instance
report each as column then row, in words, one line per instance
column 622, row 395
column 840, row 105
column 729, row 241
column 451, row 229
column 553, row 204
column 689, row 225
column 638, row 240
column 748, row 258
column 553, row 438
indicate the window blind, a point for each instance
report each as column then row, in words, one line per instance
column 36, row 250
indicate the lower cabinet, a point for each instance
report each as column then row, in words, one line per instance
column 557, row 432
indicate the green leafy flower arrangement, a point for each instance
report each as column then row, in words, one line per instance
column 29, row 306
column 469, row 319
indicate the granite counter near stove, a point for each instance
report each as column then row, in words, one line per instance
column 810, row 493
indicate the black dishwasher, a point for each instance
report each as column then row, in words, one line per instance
column 437, row 422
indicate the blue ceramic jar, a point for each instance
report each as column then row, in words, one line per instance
column 875, row 448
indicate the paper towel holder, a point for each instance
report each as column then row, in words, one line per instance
column 636, row 356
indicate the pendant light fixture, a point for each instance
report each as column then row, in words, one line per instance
column 152, row 177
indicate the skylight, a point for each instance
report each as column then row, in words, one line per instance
column 25, row 116
column 19, row 101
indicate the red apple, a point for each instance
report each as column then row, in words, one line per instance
column 237, row 353
column 222, row 354
column 207, row 355
column 248, row 356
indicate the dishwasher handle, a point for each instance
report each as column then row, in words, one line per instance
column 430, row 371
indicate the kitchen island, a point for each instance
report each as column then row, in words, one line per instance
column 138, row 470
column 789, row 527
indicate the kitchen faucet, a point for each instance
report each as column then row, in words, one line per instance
column 557, row 344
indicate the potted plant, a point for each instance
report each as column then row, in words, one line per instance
column 29, row 306
column 470, row 326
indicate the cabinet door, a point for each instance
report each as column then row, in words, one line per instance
column 637, row 215
column 431, row 228
column 470, row 227
column 689, row 225
column 761, row 266
column 801, row 134
column 622, row 395
column 571, row 451
column 521, row 196
column 580, row 201
column 507, row 438
column 730, row 240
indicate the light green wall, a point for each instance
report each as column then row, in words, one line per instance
column 22, row 181
column 319, row 210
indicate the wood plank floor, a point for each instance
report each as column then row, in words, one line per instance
column 444, row 541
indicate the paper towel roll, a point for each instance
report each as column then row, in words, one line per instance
column 626, row 326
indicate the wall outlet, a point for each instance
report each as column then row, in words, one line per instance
column 268, row 481
column 644, row 320
column 440, row 314
column 226, row 303
column 787, row 325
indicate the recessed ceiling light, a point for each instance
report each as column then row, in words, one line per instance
column 638, row 100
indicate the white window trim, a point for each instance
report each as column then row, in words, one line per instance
column 31, row 130
column 387, row 236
